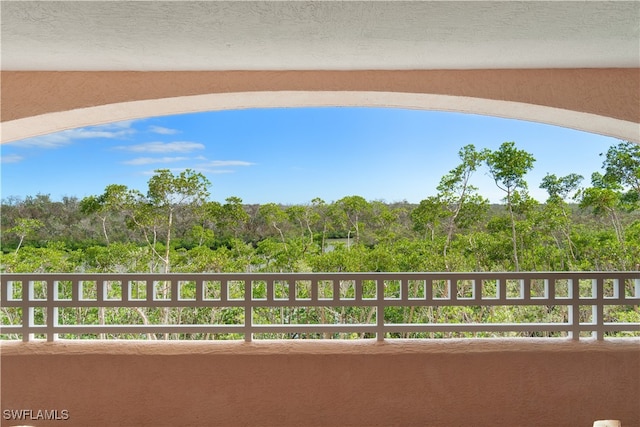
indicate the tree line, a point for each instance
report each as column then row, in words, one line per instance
column 175, row 226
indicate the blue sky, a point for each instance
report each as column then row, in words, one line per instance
column 291, row 155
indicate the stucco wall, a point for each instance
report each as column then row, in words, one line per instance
column 421, row 383
column 605, row 101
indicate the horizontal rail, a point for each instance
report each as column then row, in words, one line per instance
column 325, row 305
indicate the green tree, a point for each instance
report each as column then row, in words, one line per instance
column 224, row 222
column 622, row 168
column 556, row 212
column 168, row 192
column 508, row 166
column 615, row 192
column 275, row 217
column 384, row 222
column 52, row 258
column 322, row 219
column 351, row 210
column 427, row 216
column 455, row 191
column 234, row 217
column 24, row 228
column 303, row 216
column 154, row 214
column 109, row 202
column 605, row 198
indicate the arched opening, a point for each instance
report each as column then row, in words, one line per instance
column 433, row 139
column 403, row 172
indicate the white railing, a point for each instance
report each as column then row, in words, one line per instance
column 320, row 305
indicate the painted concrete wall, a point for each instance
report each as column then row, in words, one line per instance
column 605, row 101
column 400, row 383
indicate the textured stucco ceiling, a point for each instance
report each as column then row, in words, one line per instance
column 212, row 35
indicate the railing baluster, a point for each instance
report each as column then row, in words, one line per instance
column 224, row 289
column 151, row 291
column 271, row 292
column 404, row 290
column 358, row 290
column 502, row 290
column 52, row 309
column 27, row 310
column 380, row 323
column 174, row 289
column 477, row 290
column 76, row 290
column 291, row 290
column 101, row 285
column 597, row 309
column 574, row 308
column 199, row 290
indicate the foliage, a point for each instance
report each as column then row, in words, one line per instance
column 508, row 166
column 175, row 227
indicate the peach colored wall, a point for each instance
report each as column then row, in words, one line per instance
column 598, row 91
column 612, row 93
column 394, row 383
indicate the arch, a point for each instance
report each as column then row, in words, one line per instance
column 57, row 121
column 603, row 101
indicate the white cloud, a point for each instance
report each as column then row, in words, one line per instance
column 163, row 147
column 214, row 166
column 124, row 124
column 162, row 130
column 213, row 171
column 178, row 170
column 66, row 137
column 151, row 160
column 211, row 167
column 220, row 163
column 11, row 158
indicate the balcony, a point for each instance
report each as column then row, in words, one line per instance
column 264, row 357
